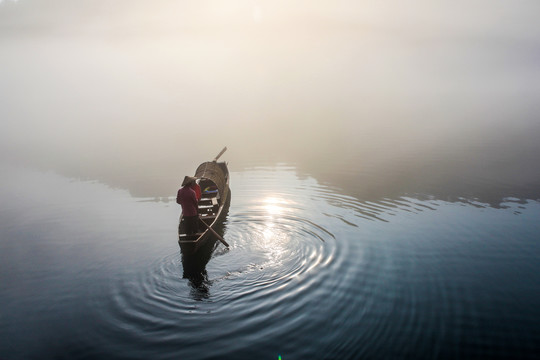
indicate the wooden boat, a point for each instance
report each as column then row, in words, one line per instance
column 213, row 177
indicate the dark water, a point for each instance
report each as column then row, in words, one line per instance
column 91, row 272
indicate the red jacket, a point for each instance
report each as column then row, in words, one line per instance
column 188, row 199
column 197, row 189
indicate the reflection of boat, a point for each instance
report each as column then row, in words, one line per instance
column 194, row 263
column 214, row 182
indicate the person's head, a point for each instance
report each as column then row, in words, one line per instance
column 189, row 181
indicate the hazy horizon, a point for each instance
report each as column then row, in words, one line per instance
column 124, row 90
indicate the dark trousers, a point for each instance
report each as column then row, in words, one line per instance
column 192, row 225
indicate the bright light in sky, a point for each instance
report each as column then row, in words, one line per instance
column 120, row 83
column 257, row 14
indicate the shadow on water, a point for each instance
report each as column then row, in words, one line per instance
column 194, row 265
column 194, row 269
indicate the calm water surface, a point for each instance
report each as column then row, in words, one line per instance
column 91, row 272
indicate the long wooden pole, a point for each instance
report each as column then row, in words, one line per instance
column 220, row 153
column 215, row 233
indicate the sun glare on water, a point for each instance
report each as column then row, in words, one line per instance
column 274, row 235
column 274, row 205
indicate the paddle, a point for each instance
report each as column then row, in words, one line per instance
column 215, row 233
column 220, row 153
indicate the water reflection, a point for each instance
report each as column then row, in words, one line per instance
column 305, row 261
column 194, row 269
column 194, row 265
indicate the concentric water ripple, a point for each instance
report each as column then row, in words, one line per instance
column 313, row 273
column 283, row 256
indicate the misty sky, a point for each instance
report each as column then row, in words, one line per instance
column 99, row 84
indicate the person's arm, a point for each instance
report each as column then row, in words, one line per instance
column 194, row 201
column 178, row 197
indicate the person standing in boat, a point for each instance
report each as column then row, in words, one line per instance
column 188, row 197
